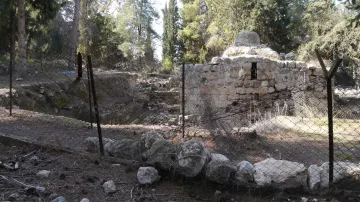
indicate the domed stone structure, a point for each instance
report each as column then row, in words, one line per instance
column 247, row 38
column 248, row 43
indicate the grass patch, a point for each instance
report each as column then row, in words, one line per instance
column 344, row 157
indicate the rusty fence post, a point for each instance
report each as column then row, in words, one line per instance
column 95, row 105
column 328, row 76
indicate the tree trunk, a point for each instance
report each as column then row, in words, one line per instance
column 21, row 68
column 74, row 36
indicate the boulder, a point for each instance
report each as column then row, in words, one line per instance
column 92, row 144
column 314, row 177
column 218, row 157
column 245, row 172
column 147, row 175
column 85, row 200
column 220, row 171
column 341, row 170
column 162, row 155
column 261, row 179
column 125, row 149
column 282, row 172
column 148, row 139
column 109, row 187
column 191, row 158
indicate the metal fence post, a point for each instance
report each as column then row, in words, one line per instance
column 90, row 96
column 12, row 56
column 96, row 106
column 328, row 76
column 79, row 65
column 183, row 99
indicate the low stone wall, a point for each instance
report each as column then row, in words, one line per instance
column 191, row 159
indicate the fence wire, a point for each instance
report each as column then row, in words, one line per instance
column 277, row 121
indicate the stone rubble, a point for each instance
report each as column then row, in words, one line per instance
column 192, row 158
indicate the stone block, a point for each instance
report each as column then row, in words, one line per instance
column 280, row 86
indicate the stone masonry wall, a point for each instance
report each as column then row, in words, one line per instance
column 224, row 89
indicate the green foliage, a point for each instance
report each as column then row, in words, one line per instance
column 212, row 26
column 329, row 32
column 134, row 26
column 172, row 48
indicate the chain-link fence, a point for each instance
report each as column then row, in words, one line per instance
column 274, row 114
column 272, row 117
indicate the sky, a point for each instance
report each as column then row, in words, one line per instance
column 158, row 26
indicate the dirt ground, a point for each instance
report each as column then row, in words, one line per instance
column 77, row 176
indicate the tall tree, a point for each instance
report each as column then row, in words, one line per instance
column 193, row 33
column 134, row 25
column 171, row 43
column 21, row 67
column 74, row 36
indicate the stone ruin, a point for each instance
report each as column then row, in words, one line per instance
column 249, row 81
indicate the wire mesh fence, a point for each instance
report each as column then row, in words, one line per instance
column 274, row 114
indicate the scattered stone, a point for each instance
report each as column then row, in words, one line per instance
column 303, row 199
column 218, row 157
column 217, row 192
column 43, row 174
column 85, row 200
column 162, row 154
column 34, row 160
column 147, row 175
column 314, row 177
column 245, row 172
column 109, row 187
column 191, row 158
column 220, row 171
column 59, row 199
column 280, row 171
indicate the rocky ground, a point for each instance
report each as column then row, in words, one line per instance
column 79, row 176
